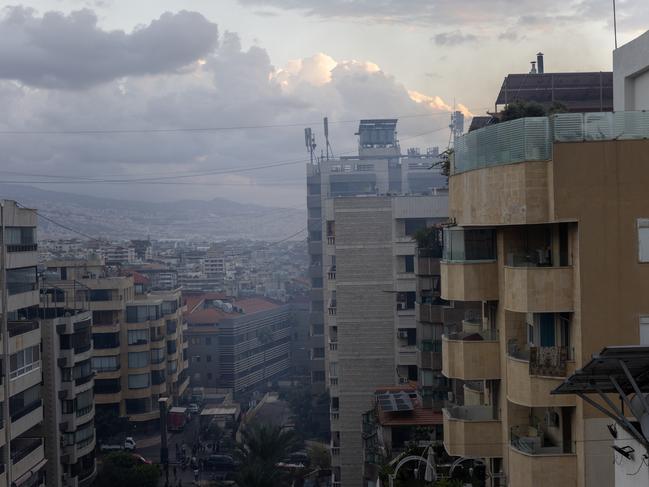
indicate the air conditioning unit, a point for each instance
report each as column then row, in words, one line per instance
column 451, row 396
column 403, row 380
column 402, row 334
column 401, row 306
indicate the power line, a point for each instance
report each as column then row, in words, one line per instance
column 106, row 180
column 197, row 129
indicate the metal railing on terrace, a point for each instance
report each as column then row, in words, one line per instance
column 531, row 139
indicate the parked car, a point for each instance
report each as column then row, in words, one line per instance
column 220, row 463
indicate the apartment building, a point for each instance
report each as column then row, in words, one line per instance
column 549, row 234
column 137, row 336
column 237, row 344
column 68, row 397
column 370, row 329
column 21, row 433
column 363, row 289
column 379, row 168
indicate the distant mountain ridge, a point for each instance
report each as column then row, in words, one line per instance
column 103, row 217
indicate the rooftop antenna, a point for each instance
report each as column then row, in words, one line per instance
column 309, row 141
column 614, row 24
column 326, row 134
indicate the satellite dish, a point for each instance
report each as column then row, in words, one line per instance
column 644, row 424
column 637, row 408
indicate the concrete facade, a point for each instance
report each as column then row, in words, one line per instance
column 631, row 75
column 569, row 280
column 370, row 302
column 21, row 433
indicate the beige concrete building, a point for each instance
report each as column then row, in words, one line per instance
column 139, row 353
column 551, row 234
column 370, row 295
column 68, row 396
column 21, row 429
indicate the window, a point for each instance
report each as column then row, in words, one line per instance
column 318, row 353
column 138, row 359
column 106, row 364
column 171, row 347
column 79, row 341
column 209, row 358
column 138, row 406
column 100, row 295
column 318, row 376
column 105, row 340
column 644, row 330
column 409, row 263
column 333, row 369
column 209, row 376
column 197, row 358
column 20, row 235
column 81, row 371
column 25, row 361
column 406, row 300
column 208, row 340
column 21, row 280
column 413, row 224
column 138, row 337
column 169, row 307
column 140, row 313
column 84, row 402
column 195, row 341
column 25, row 402
column 158, row 377
column 172, row 367
column 158, row 355
column 138, row 381
column 172, row 325
column 643, row 239
column 107, row 386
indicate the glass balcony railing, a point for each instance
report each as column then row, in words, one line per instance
column 531, row 139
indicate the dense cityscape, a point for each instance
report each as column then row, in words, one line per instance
column 462, row 307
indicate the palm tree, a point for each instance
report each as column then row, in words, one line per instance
column 261, row 448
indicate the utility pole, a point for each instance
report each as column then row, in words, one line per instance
column 615, row 24
column 5, row 347
column 164, row 450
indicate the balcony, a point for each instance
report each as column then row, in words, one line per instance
column 538, row 289
column 332, row 309
column 407, row 356
column 331, row 240
column 26, row 454
column 331, row 273
column 472, row 431
column 469, row 281
column 21, row 327
column 533, row 374
column 471, row 355
column 535, row 463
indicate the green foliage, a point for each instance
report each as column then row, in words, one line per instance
column 429, row 238
column 121, row 469
column 301, row 402
column 109, row 424
column 319, row 456
column 521, row 109
column 262, row 446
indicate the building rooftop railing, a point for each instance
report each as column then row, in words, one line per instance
column 531, row 139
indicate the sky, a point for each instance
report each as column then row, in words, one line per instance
column 166, row 99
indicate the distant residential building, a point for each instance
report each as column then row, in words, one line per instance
column 69, row 401
column 118, row 255
column 237, row 344
column 137, row 337
column 143, row 249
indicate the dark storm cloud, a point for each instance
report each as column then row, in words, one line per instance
column 499, row 13
column 72, row 52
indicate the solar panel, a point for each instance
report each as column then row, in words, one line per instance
column 394, row 402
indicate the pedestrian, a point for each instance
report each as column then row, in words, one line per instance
column 174, row 472
column 196, row 471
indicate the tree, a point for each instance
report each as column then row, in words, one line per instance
column 108, row 423
column 262, row 447
column 319, row 456
column 429, row 238
column 521, row 109
column 124, row 470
